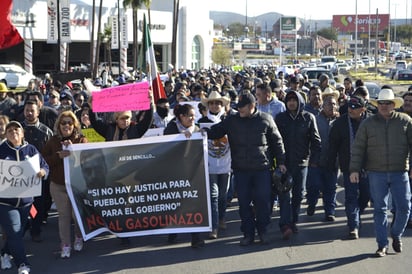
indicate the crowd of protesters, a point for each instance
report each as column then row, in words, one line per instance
column 258, row 121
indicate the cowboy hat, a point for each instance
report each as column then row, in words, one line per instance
column 330, row 92
column 215, row 96
column 387, row 95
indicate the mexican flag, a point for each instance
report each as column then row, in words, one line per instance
column 9, row 36
column 149, row 65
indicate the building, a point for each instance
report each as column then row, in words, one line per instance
column 37, row 54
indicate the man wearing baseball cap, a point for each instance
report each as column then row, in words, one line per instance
column 254, row 142
column 341, row 137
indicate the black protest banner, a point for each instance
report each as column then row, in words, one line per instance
column 154, row 185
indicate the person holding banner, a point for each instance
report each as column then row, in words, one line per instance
column 219, row 160
column 254, row 143
column 67, row 131
column 184, row 123
column 14, row 212
column 123, row 128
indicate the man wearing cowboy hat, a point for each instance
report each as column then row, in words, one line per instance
column 382, row 147
column 219, row 160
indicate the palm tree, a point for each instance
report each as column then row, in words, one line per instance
column 176, row 8
column 92, row 39
column 135, row 4
column 107, row 40
column 96, row 63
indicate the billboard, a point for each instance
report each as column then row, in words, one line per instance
column 288, row 23
column 347, row 23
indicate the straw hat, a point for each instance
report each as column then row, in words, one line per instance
column 330, row 92
column 387, row 95
column 215, row 96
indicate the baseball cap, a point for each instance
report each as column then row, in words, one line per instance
column 13, row 123
column 356, row 102
column 246, row 99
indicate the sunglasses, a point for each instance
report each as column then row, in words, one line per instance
column 64, row 123
column 386, row 103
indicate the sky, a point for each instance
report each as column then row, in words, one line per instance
column 314, row 9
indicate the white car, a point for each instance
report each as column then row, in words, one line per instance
column 15, row 76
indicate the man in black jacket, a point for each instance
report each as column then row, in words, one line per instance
column 37, row 134
column 301, row 138
column 254, row 143
column 341, row 137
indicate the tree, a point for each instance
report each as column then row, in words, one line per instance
column 106, row 37
column 96, row 63
column 176, row 7
column 221, row 55
column 135, row 5
column 92, row 39
column 328, row 33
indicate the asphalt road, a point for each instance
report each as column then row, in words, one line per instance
column 319, row 247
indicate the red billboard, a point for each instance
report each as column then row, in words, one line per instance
column 347, row 23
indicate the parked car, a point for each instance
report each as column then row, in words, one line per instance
column 403, row 74
column 314, row 73
column 401, row 64
column 373, row 89
column 14, row 76
column 340, row 67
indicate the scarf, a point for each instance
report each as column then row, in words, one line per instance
column 182, row 129
column 215, row 118
column 119, row 131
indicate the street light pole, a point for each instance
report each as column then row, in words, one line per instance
column 369, row 31
column 118, row 33
column 356, row 37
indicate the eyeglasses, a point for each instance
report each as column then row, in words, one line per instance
column 64, row 123
column 386, row 103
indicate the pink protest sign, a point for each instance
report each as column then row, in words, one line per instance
column 125, row 97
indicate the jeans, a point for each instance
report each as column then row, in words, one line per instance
column 298, row 174
column 13, row 221
column 321, row 179
column 218, row 193
column 254, row 196
column 231, row 188
column 357, row 197
column 380, row 183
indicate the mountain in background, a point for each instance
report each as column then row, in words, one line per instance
column 263, row 20
column 269, row 19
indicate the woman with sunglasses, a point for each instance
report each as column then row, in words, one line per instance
column 67, row 131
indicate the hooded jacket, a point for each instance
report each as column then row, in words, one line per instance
column 299, row 132
column 8, row 152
